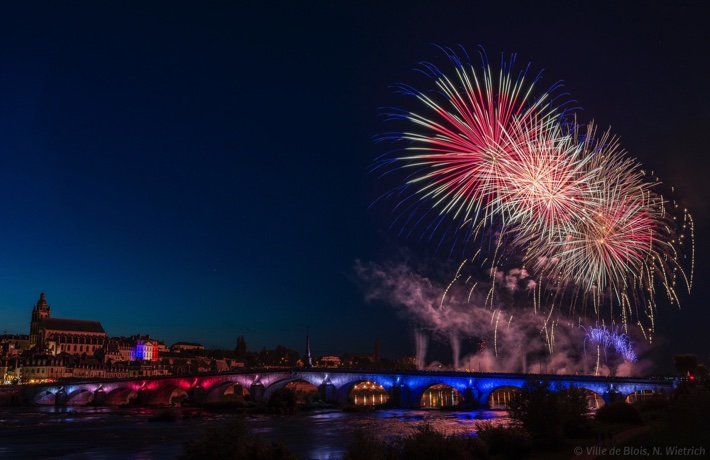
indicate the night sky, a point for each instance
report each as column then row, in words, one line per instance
column 200, row 171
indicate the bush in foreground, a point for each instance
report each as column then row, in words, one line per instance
column 652, row 409
column 366, row 447
column 549, row 414
column 619, row 412
column 688, row 412
column 505, row 441
column 426, row 443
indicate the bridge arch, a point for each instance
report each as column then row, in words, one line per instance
column 44, row 398
column 594, row 399
column 80, row 397
column 640, row 395
column 365, row 393
column 225, row 392
column 438, row 385
column 291, row 380
column 304, row 390
column 168, row 395
column 440, row 395
column 120, row 396
column 500, row 396
column 343, row 393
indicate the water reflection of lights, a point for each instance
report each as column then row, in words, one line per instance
column 501, row 397
column 310, row 434
column 440, row 396
column 369, row 394
column 643, row 394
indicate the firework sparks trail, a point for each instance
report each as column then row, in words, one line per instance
column 487, row 158
column 600, row 338
column 620, row 242
column 623, row 346
column 609, row 339
column 546, row 186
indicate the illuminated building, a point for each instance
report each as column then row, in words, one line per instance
column 145, row 348
column 11, row 344
column 135, row 347
column 328, row 361
column 43, row 369
column 59, row 335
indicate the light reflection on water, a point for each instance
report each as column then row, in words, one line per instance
column 328, row 433
column 126, row 433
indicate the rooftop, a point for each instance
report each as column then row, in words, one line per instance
column 72, row 325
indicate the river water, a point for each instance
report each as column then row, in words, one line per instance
column 127, row 433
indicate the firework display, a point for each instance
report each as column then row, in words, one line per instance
column 492, row 159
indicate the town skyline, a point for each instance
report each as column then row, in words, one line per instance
column 41, row 310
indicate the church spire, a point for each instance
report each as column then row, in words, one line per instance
column 308, row 364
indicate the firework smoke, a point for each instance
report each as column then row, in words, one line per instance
column 515, row 339
column 455, row 342
column 421, row 340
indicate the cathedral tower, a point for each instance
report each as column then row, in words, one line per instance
column 40, row 312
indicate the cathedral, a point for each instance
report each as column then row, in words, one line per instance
column 58, row 335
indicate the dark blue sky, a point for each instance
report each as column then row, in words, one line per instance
column 199, row 171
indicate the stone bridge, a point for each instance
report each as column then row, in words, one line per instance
column 405, row 389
